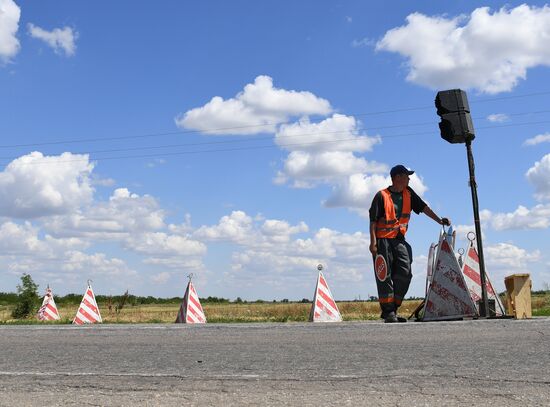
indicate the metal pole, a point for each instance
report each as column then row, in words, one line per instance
column 484, row 311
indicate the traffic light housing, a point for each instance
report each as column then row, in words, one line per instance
column 456, row 124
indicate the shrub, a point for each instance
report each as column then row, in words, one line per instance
column 27, row 298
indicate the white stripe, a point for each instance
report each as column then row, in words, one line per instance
column 89, row 311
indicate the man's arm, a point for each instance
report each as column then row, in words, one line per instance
column 372, row 247
column 442, row 221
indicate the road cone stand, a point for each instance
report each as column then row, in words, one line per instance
column 447, row 297
column 191, row 311
column 48, row 311
column 324, row 308
column 470, row 270
column 88, row 312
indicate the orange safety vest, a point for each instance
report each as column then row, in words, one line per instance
column 389, row 227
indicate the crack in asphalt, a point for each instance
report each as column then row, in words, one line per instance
column 256, row 377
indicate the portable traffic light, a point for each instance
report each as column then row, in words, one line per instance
column 456, row 124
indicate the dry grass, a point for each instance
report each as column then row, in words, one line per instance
column 246, row 312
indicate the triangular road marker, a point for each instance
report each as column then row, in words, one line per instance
column 324, row 308
column 448, row 296
column 472, row 275
column 191, row 311
column 48, row 311
column 88, row 312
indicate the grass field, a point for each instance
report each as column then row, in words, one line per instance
column 245, row 312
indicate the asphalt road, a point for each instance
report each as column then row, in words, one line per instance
column 491, row 362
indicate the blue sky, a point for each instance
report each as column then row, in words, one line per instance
column 243, row 141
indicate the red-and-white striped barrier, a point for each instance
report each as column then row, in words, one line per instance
column 191, row 311
column 324, row 308
column 472, row 275
column 48, row 311
column 448, row 295
column 88, row 312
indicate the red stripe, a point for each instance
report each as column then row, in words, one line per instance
column 323, row 282
column 327, row 299
column 88, row 316
column 197, row 315
column 196, row 303
column 90, row 305
column 322, row 306
column 472, row 274
column 473, row 255
column 78, row 321
column 52, row 308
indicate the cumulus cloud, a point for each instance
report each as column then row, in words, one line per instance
column 488, row 51
column 291, row 263
column 541, row 138
column 324, row 151
column 509, row 258
column 537, row 217
column 123, row 214
column 257, row 109
column 539, row 177
column 236, row 228
column 498, row 118
column 63, row 41
column 357, row 191
column 9, row 24
column 35, row 185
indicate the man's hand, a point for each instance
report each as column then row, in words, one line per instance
column 445, row 221
column 373, row 249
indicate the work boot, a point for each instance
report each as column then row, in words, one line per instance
column 401, row 319
column 390, row 318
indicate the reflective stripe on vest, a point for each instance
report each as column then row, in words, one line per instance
column 389, row 227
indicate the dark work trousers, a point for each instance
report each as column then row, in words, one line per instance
column 398, row 255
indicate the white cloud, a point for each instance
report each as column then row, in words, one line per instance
column 357, row 191
column 336, row 133
column 159, row 243
column 324, row 152
column 498, row 117
column 236, row 228
column 539, row 176
column 125, row 213
column 292, row 263
column 510, row 258
column 9, row 24
column 537, row 217
column 487, row 51
column 61, row 40
column 257, row 109
column 541, row 138
column 35, row 185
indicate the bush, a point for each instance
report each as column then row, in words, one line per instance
column 27, row 298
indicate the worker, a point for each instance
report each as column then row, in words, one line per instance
column 389, row 218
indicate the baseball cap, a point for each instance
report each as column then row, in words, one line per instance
column 400, row 169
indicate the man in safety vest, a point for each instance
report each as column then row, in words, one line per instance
column 390, row 212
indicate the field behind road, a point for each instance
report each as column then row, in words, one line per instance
column 485, row 362
column 260, row 311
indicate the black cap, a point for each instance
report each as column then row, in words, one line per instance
column 400, row 169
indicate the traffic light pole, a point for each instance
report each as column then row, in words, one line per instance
column 483, row 310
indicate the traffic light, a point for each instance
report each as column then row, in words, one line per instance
column 456, row 124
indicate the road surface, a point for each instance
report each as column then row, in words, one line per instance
column 484, row 362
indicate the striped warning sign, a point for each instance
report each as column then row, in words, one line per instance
column 191, row 311
column 88, row 312
column 48, row 311
column 324, row 308
column 472, row 276
column 448, row 296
